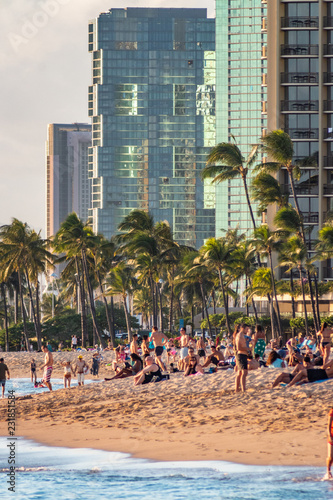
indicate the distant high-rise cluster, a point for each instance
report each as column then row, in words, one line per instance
column 68, row 188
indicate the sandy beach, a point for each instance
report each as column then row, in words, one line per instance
column 192, row 418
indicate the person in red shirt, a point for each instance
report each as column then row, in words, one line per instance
column 330, row 444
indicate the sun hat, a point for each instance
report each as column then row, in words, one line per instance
column 80, row 356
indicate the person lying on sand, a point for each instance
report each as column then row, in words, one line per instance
column 285, row 378
column 129, row 370
column 313, row 375
column 146, row 375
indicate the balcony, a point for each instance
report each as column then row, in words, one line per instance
column 299, row 106
column 328, row 189
column 264, row 25
column 328, row 78
column 264, row 80
column 300, row 78
column 327, row 273
column 312, row 218
column 328, row 161
column 328, row 133
column 299, row 50
column 264, row 52
column 328, row 22
column 328, row 49
column 299, row 22
column 301, row 189
column 328, row 106
column 303, row 133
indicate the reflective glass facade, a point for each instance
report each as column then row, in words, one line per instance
column 241, row 95
column 152, row 103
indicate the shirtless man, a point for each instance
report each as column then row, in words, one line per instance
column 241, row 358
column 159, row 340
column 330, row 445
column 3, row 371
column 146, row 375
column 134, row 348
column 184, row 340
column 313, row 374
column 214, row 358
column 324, row 336
column 48, row 367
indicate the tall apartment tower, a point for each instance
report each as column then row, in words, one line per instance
column 241, row 111
column 300, row 99
column 68, row 188
column 152, row 103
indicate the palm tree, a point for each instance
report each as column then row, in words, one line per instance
column 218, row 254
column 143, row 304
column 266, row 190
column 245, row 265
column 265, row 241
column 295, row 256
column 121, row 281
column 225, row 162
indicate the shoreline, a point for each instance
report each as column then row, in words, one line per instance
column 184, row 418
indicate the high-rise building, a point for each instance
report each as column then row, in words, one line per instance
column 68, row 188
column 152, row 103
column 241, row 96
column 300, row 100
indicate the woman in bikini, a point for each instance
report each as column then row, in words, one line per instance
column 193, row 367
column 67, row 373
column 324, row 337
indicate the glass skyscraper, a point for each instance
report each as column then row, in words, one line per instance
column 152, row 103
column 241, row 62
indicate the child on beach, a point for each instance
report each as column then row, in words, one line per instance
column 33, row 371
column 330, row 445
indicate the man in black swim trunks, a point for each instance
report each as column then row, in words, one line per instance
column 214, row 358
column 149, row 371
column 313, row 375
column 241, row 359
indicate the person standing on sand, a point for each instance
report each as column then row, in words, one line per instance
column 330, row 445
column 184, row 341
column 159, row 340
column 324, row 338
column 80, row 367
column 241, row 358
column 33, row 371
column 201, row 347
column 134, row 348
column 67, row 373
column 48, row 367
column 3, row 371
column 74, row 342
column 259, row 341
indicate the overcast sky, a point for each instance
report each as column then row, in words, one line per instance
column 45, row 72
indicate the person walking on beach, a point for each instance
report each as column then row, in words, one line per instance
column 3, row 371
column 201, row 347
column 330, row 445
column 33, row 371
column 47, row 367
column 74, row 342
column 80, row 369
column 184, row 341
column 241, row 358
column 67, row 373
column 158, row 340
column 324, row 337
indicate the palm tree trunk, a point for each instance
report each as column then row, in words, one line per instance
column 109, row 319
column 16, row 305
column 3, row 291
column 171, row 308
column 292, row 300
column 214, row 301
column 31, row 302
column 192, row 316
column 161, row 307
column 313, row 305
column 91, row 297
column 253, row 304
column 24, row 317
column 236, row 292
column 39, row 336
column 317, row 297
column 204, row 303
column 246, row 303
column 275, row 296
column 152, row 289
column 128, row 321
column 304, row 302
column 225, row 303
column 84, row 329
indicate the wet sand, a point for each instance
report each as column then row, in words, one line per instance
column 192, row 418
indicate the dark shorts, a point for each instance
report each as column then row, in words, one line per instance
column 201, row 353
column 149, row 377
column 241, row 361
column 324, row 344
column 214, row 360
column 315, row 375
column 159, row 350
column 3, row 382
